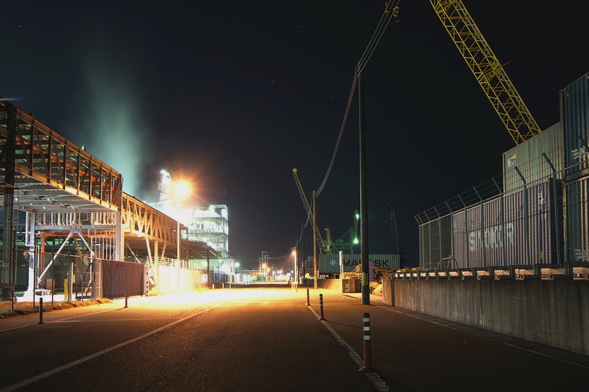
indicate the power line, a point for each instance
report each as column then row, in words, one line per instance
column 341, row 133
column 391, row 11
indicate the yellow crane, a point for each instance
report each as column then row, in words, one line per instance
column 487, row 70
column 325, row 248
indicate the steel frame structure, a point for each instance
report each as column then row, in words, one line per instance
column 63, row 189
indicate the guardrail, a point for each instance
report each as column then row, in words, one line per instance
column 574, row 272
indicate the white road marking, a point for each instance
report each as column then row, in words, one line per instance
column 374, row 378
column 96, row 354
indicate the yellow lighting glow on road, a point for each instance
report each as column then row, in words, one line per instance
column 216, row 297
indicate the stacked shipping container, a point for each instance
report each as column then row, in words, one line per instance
column 542, row 216
column 574, row 101
column 535, row 160
column 329, row 263
column 513, row 230
column 575, row 119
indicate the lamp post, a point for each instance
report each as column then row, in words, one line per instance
column 182, row 189
column 263, row 263
column 296, row 270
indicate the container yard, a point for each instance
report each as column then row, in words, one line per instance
column 535, row 221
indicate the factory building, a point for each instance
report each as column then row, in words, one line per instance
column 206, row 224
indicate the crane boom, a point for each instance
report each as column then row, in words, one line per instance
column 487, row 70
column 394, row 229
column 320, row 242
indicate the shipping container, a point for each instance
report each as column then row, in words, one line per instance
column 536, row 160
column 329, row 263
column 536, row 220
column 517, row 229
column 479, row 235
column 577, row 245
column 574, row 101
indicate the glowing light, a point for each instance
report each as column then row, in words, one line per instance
column 212, row 297
column 182, row 189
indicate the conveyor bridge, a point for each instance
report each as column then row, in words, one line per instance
column 53, row 188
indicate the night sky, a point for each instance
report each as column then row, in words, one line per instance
column 233, row 95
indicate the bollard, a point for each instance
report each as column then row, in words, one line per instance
column 367, row 344
column 308, row 302
column 126, row 298
column 41, row 310
column 321, row 306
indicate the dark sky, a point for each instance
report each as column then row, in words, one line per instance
column 233, row 95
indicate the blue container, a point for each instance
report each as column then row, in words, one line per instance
column 574, row 101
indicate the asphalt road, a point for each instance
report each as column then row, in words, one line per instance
column 231, row 340
column 269, row 340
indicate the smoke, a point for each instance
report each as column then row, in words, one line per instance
column 115, row 129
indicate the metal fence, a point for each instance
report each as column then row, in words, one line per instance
column 518, row 229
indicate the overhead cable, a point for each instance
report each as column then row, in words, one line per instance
column 390, row 12
column 341, row 133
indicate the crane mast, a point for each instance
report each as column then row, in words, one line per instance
column 394, row 229
column 487, row 70
column 320, row 242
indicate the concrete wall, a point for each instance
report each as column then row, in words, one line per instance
column 550, row 312
column 331, row 284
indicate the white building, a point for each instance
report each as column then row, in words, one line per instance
column 210, row 225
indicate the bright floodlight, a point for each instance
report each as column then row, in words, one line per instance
column 182, row 189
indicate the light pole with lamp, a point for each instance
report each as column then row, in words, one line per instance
column 296, row 267
column 182, row 189
column 264, row 263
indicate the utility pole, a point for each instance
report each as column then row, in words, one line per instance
column 314, row 241
column 264, row 263
column 363, row 196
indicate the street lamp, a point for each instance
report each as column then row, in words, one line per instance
column 182, row 189
column 263, row 261
column 296, row 270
